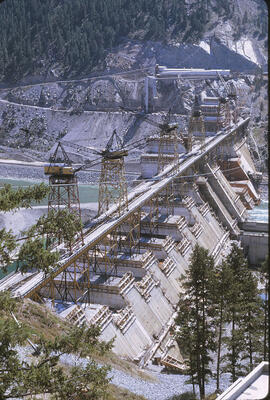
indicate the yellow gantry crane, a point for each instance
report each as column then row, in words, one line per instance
column 112, row 182
column 63, row 185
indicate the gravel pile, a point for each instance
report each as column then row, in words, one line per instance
column 165, row 385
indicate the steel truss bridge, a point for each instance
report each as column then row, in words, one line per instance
column 71, row 280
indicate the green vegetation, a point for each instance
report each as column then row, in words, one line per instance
column 264, row 278
column 44, row 373
column 11, row 199
column 42, row 327
column 183, row 396
column 221, row 316
column 72, row 36
column 196, row 335
column 57, row 227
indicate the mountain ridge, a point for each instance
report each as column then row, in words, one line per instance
column 72, row 39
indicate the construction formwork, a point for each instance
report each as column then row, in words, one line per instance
column 64, row 194
column 113, row 186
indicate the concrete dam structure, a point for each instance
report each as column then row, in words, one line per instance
column 126, row 276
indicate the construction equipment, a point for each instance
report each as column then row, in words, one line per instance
column 196, row 125
column 168, row 141
column 226, row 103
column 112, row 182
column 63, row 186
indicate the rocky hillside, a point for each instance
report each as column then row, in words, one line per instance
column 62, row 39
column 51, row 55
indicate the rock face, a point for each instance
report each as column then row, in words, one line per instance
column 209, row 53
column 87, row 110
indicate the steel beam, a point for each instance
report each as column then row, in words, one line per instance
column 151, row 191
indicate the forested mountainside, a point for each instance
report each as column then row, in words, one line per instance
column 68, row 38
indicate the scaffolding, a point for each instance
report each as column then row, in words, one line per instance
column 224, row 114
column 168, row 145
column 63, row 188
column 101, row 254
column 112, row 185
column 196, row 126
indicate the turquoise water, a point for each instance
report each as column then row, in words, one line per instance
column 10, row 269
column 259, row 213
column 87, row 193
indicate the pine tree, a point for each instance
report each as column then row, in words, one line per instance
column 252, row 321
column 7, row 246
column 235, row 340
column 264, row 278
column 223, row 280
column 60, row 226
column 44, row 374
column 186, row 339
column 198, row 285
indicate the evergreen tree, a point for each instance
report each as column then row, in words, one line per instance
column 252, row 321
column 12, row 200
column 223, row 279
column 22, row 197
column 186, row 339
column 7, row 246
column 56, row 227
column 235, row 339
column 49, row 30
column 264, row 278
column 25, row 378
column 198, row 285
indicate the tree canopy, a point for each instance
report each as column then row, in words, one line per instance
column 21, row 377
column 52, row 229
column 43, row 372
column 75, row 35
column 221, row 317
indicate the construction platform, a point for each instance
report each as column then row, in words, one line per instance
column 126, row 276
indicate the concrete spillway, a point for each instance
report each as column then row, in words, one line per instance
column 126, row 277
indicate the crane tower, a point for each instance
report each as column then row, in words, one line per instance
column 63, row 185
column 168, row 144
column 196, row 125
column 112, row 184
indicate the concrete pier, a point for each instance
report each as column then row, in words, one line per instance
column 255, row 241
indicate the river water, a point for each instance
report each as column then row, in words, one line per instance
column 87, row 193
column 259, row 213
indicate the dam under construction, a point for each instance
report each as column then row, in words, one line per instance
column 123, row 273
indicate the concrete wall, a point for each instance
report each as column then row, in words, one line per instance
column 255, row 241
column 255, row 247
column 129, row 344
column 152, row 313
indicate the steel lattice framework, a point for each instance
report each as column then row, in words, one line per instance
column 168, row 144
column 113, row 185
column 104, row 244
column 196, row 126
column 224, row 114
column 63, row 188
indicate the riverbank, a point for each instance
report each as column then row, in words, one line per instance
column 36, row 174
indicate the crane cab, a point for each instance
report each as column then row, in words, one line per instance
column 58, row 169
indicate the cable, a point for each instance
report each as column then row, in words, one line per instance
column 79, row 80
column 189, row 176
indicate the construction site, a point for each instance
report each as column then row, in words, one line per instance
column 196, row 185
